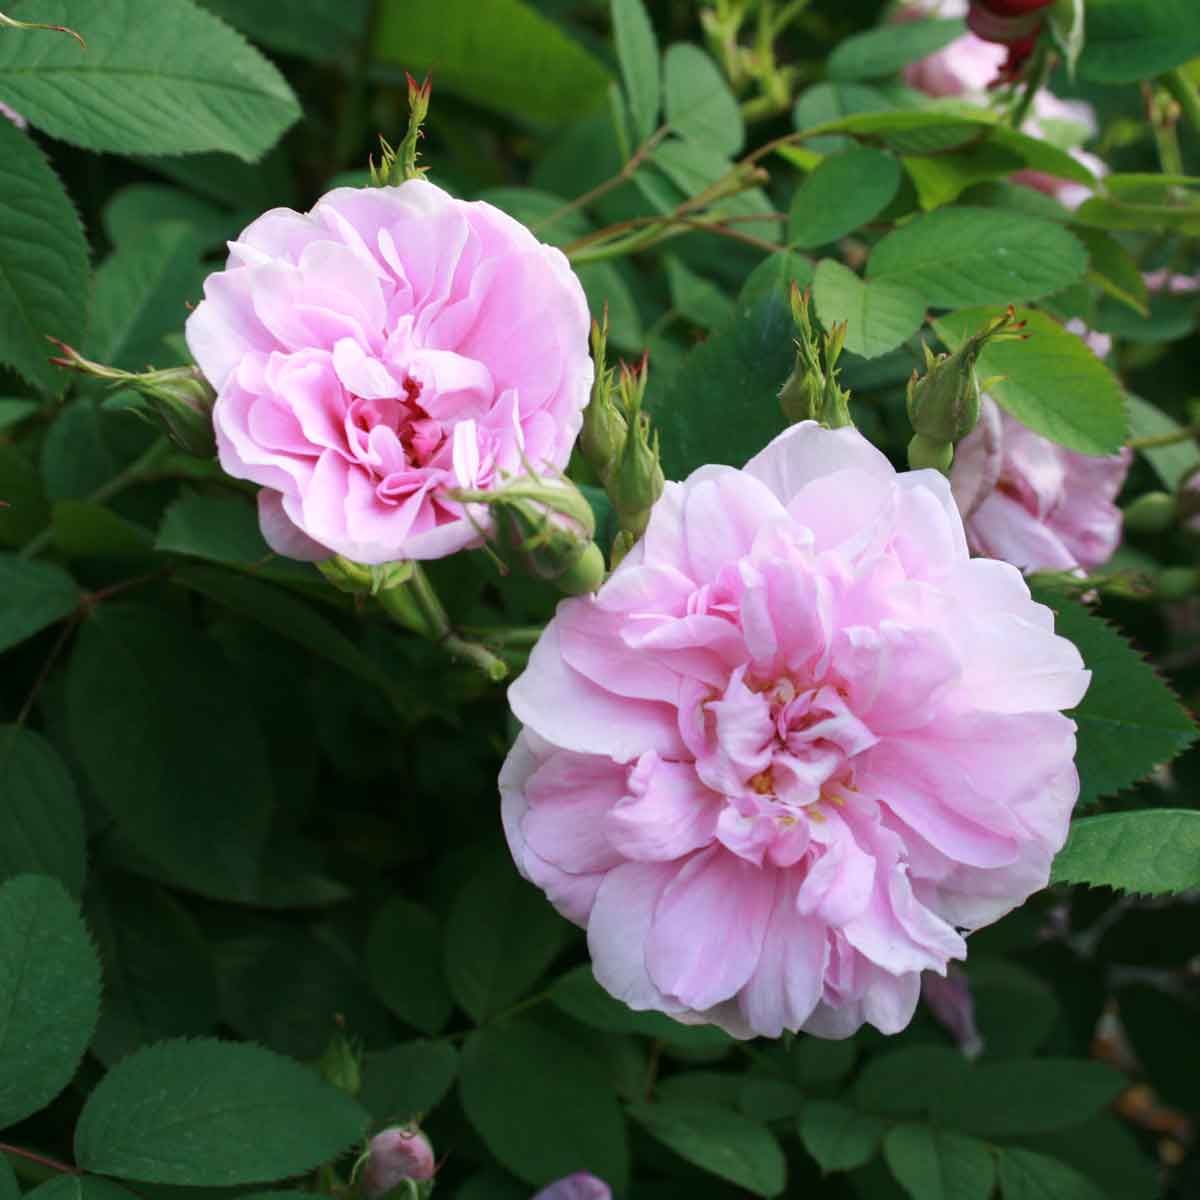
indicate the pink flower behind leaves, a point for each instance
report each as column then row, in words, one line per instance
column 377, row 353
column 1033, row 503
column 394, row 1155
column 12, row 115
column 580, row 1186
column 795, row 745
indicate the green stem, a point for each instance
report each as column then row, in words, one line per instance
column 1166, row 439
column 418, row 607
column 1185, row 94
column 137, row 472
column 1035, row 81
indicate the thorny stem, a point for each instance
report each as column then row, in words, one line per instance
column 626, row 173
column 137, row 472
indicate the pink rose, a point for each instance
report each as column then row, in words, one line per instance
column 377, row 353
column 393, row 1156
column 795, row 745
column 580, row 1186
column 1163, row 280
column 1033, row 503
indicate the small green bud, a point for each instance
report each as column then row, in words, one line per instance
column 341, row 1064
column 398, row 163
column 1177, row 583
column 638, row 481
column 1152, row 513
column 922, row 452
column 178, row 399
column 602, row 438
column 811, row 391
column 943, row 404
column 545, row 526
column 364, row 579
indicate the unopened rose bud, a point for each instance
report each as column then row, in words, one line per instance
column 943, row 404
column 580, row 1186
column 811, row 392
column 398, row 163
column 396, row 1156
column 602, row 438
column 178, row 399
column 638, row 481
column 545, row 526
column 1152, row 513
column 950, row 1000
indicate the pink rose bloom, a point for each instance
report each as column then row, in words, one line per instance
column 795, row 746
column 379, row 352
column 1033, row 503
column 580, row 1186
column 1163, row 280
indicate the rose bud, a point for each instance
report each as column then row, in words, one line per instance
column 602, row 438
column 638, row 480
column 394, row 1156
column 811, row 391
column 580, row 1186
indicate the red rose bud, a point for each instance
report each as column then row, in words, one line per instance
column 1013, row 8
column 396, row 1156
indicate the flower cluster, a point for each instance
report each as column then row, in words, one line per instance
column 795, row 747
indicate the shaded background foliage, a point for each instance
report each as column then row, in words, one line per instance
column 234, row 802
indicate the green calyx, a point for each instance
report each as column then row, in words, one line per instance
column 811, row 392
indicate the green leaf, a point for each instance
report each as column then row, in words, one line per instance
column 14, row 410
column 41, row 823
column 25, row 511
column 843, row 193
column 292, row 618
column 404, row 962
column 886, row 50
column 723, row 405
column 960, row 256
column 1115, row 270
column 720, row 1142
column 699, row 104
column 86, row 530
column 880, row 314
column 155, row 79
column 159, row 979
column 1010, row 1097
column 33, row 596
column 637, row 55
column 191, row 787
column 1164, row 1030
column 542, row 1105
column 1130, row 40
column 1015, row 1009
column 408, row 1080
column 1154, row 851
column 314, row 29
column 1171, row 463
column 1109, row 212
column 838, row 1137
column 696, row 298
column 1129, row 720
column 503, row 55
column 692, row 168
column 934, row 1164
column 942, row 178
column 222, row 529
column 579, row 995
column 142, row 292
column 1025, row 1175
column 1053, row 382
column 207, row 1114
column 43, row 256
column 500, row 938
column 907, row 1081
column 80, row 1187
column 137, row 206
column 775, row 275
column 49, row 994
